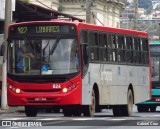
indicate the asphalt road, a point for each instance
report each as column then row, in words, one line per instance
column 149, row 120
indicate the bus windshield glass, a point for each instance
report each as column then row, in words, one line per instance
column 43, row 56
column 155, row 68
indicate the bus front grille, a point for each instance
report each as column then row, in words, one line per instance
column 32, row 91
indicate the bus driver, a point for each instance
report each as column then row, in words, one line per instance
column 22, row 56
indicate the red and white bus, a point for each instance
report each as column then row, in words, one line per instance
column 110, row 68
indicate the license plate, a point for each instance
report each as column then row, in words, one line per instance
column 40, row 99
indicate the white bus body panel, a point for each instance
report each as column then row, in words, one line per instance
column 113, row 82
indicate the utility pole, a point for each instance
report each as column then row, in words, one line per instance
column 136, row 15
column 8, row 10
column 88, row 11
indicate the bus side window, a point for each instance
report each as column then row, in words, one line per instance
column 121, row 48
column 112, row 48
column 93, row 46
column 129, row 49
column 103, row 47
column 137, row 46
column 144, row 46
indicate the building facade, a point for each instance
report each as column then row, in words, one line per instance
column 103, row 12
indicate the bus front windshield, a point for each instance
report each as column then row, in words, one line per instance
column 43, row 56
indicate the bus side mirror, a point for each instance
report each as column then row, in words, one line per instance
column 2, row 49
column 85, row 53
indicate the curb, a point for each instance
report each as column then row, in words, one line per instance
column 6, row 111
column 12, row 110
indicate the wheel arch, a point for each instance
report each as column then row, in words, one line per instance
column 131, row 88
column 96, row 90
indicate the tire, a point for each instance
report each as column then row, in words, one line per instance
column 139, row 108
column 67, row 112
column 30, row 111
column 129, row 107
column 117, row 110
column 124, row 110
column 56, row 110
column 49, row 110
column 77, row 112
column 89, row 110
column 98, row 109
column 153, row 108
column 142, row 108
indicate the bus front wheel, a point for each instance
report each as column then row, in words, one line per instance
column 67, row 112
column 153, row 108
column 56, row 110
column 48, row 110
column 89, row 110
column 30, row 111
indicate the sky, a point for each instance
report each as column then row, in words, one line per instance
column 129, row 0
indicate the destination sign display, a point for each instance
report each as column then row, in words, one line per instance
column 42, row 29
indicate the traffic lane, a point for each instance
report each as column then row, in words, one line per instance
column 105, row 119
column 106, row 114
column 106, row 122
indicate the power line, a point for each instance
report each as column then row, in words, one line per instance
column 97, row 18
column 145, row 12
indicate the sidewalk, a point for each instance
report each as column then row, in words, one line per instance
column 12, row 110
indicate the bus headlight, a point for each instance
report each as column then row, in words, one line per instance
column 18, row 91
column 65, row 90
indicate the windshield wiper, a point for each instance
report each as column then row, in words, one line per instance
column 25, row 39
column 52, row 49
column 46, row 46
column 54, row 46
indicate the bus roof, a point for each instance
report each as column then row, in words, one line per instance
column 81, row 25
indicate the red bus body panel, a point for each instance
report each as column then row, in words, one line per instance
column 32, row 94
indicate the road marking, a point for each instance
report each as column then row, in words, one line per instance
column 157, row 115
column 116, row 119
column 50, row 119
column 57, row 122
column 14, row 118
column 82, row 119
